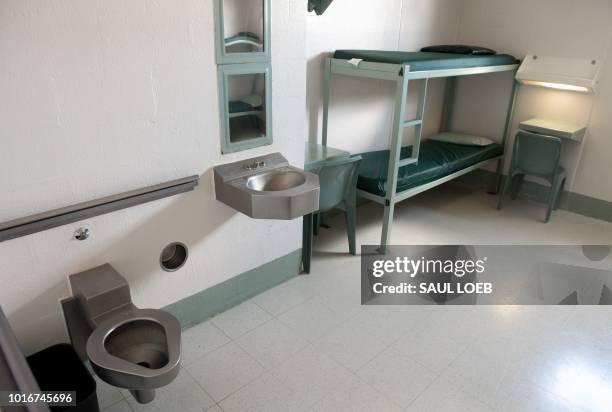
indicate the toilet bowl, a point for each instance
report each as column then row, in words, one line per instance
column 131, row 348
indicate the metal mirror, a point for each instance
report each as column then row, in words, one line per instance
column 245, row 96
column 243, row 31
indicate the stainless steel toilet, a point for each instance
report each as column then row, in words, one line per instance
column 131, row 348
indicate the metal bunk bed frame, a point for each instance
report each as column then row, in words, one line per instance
column 401, row 74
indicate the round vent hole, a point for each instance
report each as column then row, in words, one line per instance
column 173, row 257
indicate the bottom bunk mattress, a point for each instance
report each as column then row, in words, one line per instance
column 436, row 160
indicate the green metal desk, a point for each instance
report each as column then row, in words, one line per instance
column 316, row 155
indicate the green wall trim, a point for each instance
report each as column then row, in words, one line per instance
column 209, row 302
column 570, row 201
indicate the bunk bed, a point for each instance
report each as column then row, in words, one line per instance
column 244, row 38
column 390, row 176
column 251, row 105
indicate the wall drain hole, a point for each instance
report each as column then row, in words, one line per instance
column 173, row 257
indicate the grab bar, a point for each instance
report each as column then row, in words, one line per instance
column 70, row 214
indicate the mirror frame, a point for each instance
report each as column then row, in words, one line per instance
column 224, row 72
column 230, row 58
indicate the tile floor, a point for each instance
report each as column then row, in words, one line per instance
column 308, row 344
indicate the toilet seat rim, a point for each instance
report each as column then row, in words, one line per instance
column 100, row 357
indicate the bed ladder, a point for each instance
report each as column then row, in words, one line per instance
column 395, row 161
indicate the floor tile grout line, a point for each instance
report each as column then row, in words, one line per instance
column 117, row 401
column 470, row 393
column 261, row 307
column 378, row 391
column 320, row 352
column 388, row 347
column 245, row 351
column 326, row 330
column 284, row 311
column 217, row 327
column 244, row 333
column 249, row 382
column 293, row 354
column 438, row 375
column 200, row 386
column 356, row 373
column 332, row 360
column 187, row 365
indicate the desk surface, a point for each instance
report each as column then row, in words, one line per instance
column 317, row 154
column 563, row 130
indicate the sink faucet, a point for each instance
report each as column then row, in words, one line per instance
column 255, row 165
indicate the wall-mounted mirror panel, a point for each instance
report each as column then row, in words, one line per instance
column 242, row 31
column 245, row 101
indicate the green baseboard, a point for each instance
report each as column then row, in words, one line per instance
column 209, row 302
column 570, row 201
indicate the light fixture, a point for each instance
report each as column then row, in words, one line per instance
column 579, row 75
column 559, row 86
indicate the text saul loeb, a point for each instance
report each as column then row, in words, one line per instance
column 433, row 268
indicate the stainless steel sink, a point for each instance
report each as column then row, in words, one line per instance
column 276, row 181
column 267, row 188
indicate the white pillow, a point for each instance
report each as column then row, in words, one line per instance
column 463, row 139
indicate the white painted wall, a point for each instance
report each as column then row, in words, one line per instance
column 567, row 28
column 361, row 110
column 593, row 171
column 98, row 97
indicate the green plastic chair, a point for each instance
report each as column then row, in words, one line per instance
column 338, row 180
column 537, row 155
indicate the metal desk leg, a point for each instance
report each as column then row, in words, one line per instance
column 496, row 184
column 307, row 243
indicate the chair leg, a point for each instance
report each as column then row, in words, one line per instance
column 559, row 195
column 496, row 184
column 385, row 236
column 316, row 223
column 502, row 192
column 517, row 183
column 307, row 243
column 549, row 209
column 351, row 220
column 552, row 198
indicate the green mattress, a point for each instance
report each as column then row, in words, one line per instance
column 422, row 61
column 436, row 160
column 238, row 106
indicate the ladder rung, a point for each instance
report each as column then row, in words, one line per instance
column 407, row 161
column 415, row 122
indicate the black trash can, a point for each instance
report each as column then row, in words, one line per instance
column 59, row 368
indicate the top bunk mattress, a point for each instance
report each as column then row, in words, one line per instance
column 424, row 61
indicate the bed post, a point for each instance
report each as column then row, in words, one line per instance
column 449, row 104
column 401, row 93
column 499, row 174
column 326, row 84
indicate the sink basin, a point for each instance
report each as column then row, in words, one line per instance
column 267, row 188
column 276, row 181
